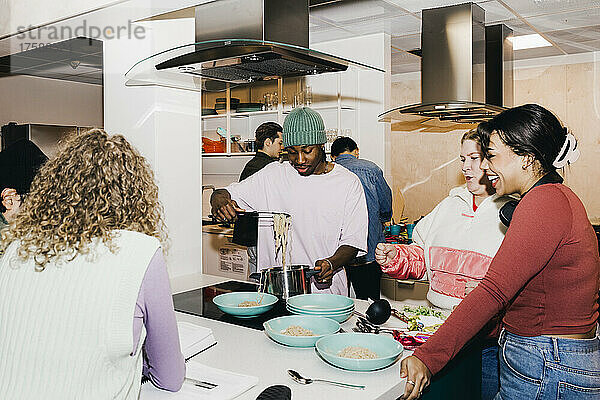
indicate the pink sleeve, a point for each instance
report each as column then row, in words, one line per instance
column 408, row 263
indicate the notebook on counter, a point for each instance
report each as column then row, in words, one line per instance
column 224, row 385
column 202, row 382
column 194, row 339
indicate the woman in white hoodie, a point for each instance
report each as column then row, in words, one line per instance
column 453, row 246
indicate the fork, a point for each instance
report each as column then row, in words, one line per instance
column 201, row 384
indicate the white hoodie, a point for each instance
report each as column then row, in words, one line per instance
column 458, row 245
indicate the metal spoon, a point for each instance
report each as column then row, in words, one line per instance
column 305, row 381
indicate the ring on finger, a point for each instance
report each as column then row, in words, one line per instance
column 411, row 382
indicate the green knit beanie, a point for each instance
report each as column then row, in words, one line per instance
column 303, row 127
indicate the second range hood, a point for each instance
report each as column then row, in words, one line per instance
column 466, row 68
column 238, row 42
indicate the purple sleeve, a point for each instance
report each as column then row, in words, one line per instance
column 163, row 362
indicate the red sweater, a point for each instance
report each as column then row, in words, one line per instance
column 545, row 274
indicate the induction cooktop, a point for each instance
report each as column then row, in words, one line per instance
column 199, row 302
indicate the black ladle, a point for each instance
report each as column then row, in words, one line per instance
column 379, row 312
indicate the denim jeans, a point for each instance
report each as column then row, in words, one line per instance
column 490, row 372
column 544, row 368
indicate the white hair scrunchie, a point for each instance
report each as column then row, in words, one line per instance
column 568, row 154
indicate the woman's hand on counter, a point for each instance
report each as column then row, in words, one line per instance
column 417, row 377
column 385, row 253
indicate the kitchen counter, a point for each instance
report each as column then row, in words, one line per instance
column 251, row 352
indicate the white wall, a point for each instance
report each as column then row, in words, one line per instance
column 30, row 99
column 165, row 125
column 372, row 89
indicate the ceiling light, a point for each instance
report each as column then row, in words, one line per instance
column 528, row 41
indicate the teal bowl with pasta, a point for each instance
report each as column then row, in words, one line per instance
column 300, row 330
column 359, row 351
column 245, row 304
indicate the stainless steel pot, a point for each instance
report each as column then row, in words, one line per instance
column 274, row 281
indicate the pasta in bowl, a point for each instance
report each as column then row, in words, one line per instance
column 359, row 351
column 300, row 330
column 245, row 304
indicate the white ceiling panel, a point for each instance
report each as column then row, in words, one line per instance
column 571, row 20
column 537, row 52
column 353, row 10
column 418, row 5
column 581, row 35
column 408, row 42
column 593, row 45
column 403, row 25
column 528, row 8
column 495, row 12
column 519, row 27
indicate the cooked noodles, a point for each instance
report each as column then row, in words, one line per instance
column 296, row 330
column 357, row 352
column 281, row 226
column 249, row 303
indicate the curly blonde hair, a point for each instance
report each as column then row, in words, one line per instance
column 96, row 184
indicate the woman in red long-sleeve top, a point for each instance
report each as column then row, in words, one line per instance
column 545, row 274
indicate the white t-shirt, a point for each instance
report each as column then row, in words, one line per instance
column 328, row 211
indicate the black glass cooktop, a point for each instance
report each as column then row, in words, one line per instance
column 199, row 302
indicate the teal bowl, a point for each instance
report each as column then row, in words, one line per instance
column 321, row 302
column 320, row 326
column 229, row 303
column 387, row 349
column 336, row 317
column 314, row 312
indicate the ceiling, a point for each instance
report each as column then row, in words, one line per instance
column 572, row 26
column 78, row 59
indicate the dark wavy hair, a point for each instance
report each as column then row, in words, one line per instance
column 529, row 130
column 267, row 130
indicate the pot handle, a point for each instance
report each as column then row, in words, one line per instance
column 255, row 276
column 309, row 273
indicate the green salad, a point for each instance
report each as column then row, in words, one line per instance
column 423, row 310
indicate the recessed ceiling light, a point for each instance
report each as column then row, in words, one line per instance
column 528, row 41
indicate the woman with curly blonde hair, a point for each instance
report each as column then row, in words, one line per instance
column 84, row 282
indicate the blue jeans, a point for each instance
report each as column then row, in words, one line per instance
column 544, row 368
column 490, row 372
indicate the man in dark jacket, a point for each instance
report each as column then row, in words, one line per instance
column 365, row 273
column 269, row 145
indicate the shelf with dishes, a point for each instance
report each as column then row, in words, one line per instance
column 229, row 128
column 238, row 114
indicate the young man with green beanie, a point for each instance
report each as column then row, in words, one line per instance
column 326, row 201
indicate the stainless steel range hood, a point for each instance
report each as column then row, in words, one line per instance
column 238, row 42
column 466, row 68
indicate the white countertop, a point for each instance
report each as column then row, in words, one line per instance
column 251, row 352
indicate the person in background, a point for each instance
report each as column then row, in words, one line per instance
column 453, row 247
column 11, row 202
column 364, row 273
column 83, row 280
column 19, row 163
column 269, row 145
column 326, row 203
column 545, row 275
